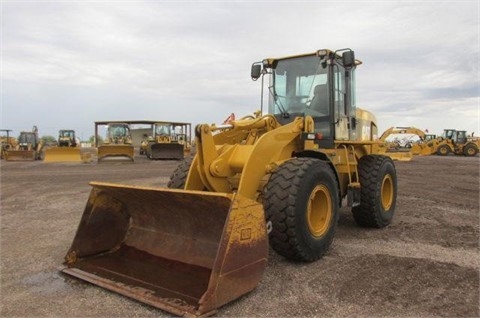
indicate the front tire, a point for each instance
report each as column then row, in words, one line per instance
column 302, row 206
column 443, row 150
column 378, row 191
column 179, row 176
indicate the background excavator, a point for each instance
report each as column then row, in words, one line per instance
column 278, row 178
column 67, row 149
column 29, row 147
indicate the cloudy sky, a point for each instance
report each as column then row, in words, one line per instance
column 66, row 64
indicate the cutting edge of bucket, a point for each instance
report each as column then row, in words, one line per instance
column 168, row 305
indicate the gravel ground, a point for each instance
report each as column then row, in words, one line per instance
column 426, row 263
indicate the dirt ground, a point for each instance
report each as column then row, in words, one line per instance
column 426, row 263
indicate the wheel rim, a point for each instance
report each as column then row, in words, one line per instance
column 387, row 192
column 470, row 151
column 443, row 150
column 319, row 211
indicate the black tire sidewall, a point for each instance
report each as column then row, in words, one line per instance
column 285, row 202
column 370, row 212
column 179, row 176
column 318, row 175
column 386, row 167
column 467, row 148
column 440, row 153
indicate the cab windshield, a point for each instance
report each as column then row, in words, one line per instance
column 116, row 131
column 299, row 85
column 66, row 133
column 163, row 130
column 26, row 138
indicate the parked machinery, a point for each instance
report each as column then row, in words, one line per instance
column 67, row 149
column 456, row 142
column 29, row 147
column 168, row 140
column 278, row 178
column 66, row 138
column 6, row 143
column 416, row 148
column 117, row 143
column 467, row 145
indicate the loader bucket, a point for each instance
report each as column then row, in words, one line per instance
column 20, row 155
column 166, row 151
column 186, row 252
column 116, row 150
column 62, row 154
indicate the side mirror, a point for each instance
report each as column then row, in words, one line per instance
column 256, row 71
column 348, row 58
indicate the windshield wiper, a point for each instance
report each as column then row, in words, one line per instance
column 278, row 103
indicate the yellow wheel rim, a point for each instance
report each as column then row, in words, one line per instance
column 470, row 151
column 319, row 211
column 443, row 150
column 387, row 192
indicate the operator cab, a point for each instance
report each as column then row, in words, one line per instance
column 27, row 138
column 461, row 137
column 449, row 133
column 321, row 84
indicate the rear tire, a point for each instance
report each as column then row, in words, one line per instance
column 378, row 191
column 302, row 207
column 179, row 176
column 470, row 150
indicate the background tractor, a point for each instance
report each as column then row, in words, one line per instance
column 67, row 149
column 168, row 141
column 278, row 178
column 66, row 138
column 6, row 143
column 117, row 143
column 456, row 142
column 29, row 147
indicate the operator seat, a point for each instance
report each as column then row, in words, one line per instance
column 319, row 101
column 319, row 108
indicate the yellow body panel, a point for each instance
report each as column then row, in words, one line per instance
column 125, row 151
column 20, row 155
column 63, row 154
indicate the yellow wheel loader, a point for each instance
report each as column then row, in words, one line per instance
column 465, row 145
column 29, row 147
column 117, row 144
column 453, row 141
column 168, row 141
column 277, row 179
column 67, row 150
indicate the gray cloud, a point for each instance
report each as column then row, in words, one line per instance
column 185, row 61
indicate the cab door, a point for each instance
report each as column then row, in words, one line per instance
column 341, row 111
